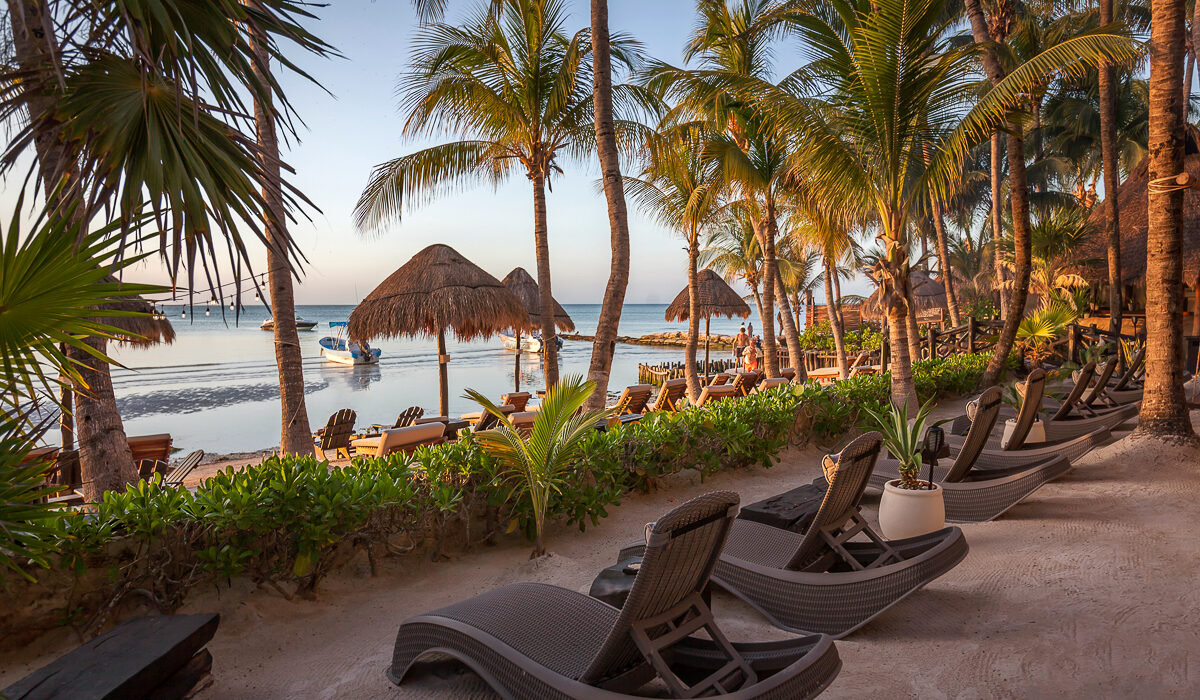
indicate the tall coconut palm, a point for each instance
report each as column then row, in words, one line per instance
column 730, row 45
column 733, row 250
column 681, row 189
column 128, row 111
column 1112, row 178
column 1164, row 412
column 618, row 216
column 295, row 434
column 518, row 90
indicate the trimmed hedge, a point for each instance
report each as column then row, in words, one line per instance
column 286, row 522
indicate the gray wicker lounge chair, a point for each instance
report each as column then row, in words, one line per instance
column 533, row 640
column 1073, row 412
column 820, row 581
column 974, row 487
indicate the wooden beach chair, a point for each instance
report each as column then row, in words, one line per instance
column 711, row 394
column 720, row 379
column 522, row 422
column 634, row 399
column 406, row 439
column 406, row 418
column 185, row 467
column 669, row 395
column 517, row 399
column 535, row 640
column 788, row 373
column 829, row 375
column 335, row 435
column 768, row 384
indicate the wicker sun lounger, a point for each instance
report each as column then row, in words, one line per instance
column 534, row 640
column 974, row 487
column 820, row 581
column 1073, row 413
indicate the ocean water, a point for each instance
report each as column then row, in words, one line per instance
column 216, row 388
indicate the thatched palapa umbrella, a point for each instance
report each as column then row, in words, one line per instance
column 438, row 289
column 714, row 298
column 520, row 283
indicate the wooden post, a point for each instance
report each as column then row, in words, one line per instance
column 443, row 360
column 883, row 352
column 516, row 365
column 1196, row 308
column 970, row 335
column 933, row 338
column 1073, row 342
column 707, row 319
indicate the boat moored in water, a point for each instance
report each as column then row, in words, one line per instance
column 301, row 324
column 338, row 348
column 529, row 343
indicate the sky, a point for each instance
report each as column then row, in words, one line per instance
column 346, row 134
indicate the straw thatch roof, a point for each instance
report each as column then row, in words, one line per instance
column 716, row 298
column 1132, row 207
column 438, row 289
column 526, row 290
column 928, row 294
column 143, row 330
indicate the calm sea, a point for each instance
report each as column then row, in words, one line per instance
column 215, row 388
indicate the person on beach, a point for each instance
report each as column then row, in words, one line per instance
column 750, row 355
column 740, row 341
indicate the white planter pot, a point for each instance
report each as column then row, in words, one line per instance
column 908, row 513
column 1037, row 432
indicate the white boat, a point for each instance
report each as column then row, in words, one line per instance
column 529, row 343
column 301, row 324
column 338, row 348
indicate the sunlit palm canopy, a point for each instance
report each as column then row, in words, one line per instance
column 515, row 87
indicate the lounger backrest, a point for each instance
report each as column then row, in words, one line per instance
column 523, row 421
column 788, row 373
column 742, row 383
column 719, row 379
column 668, row 396
column 1135, row 366
column 1031, row 405
column 634, row 398
column 1082, row 380
column 185, row 467
column 681, row 553
column 408, row 416
column 768, row 384
column 516, row 399
column 854, row 466
column 156, row 447
column 1102, row 379
column 716, row 393
column 489, row 420
column 987, row 409
column 338, row 430
column 399, row 438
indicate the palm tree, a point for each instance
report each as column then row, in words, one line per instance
column 734, row 251
column 618, row 217
column 129, row 113
column 1112, row 178
column 295, row 434
column 1056, row 235
column 731, row 44
column 518, row 90
column 1164, row 412
column 681, row 189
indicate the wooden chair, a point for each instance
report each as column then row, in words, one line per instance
column 336, row 434
column 719, row 379
column 669, row 395
column 522, row 421
column 516, row 399
column 406, row 440
column 185, row 467
column 711, row 394
column 407, row 417
column 150, row 447
column 768, row 384
column 634, row 399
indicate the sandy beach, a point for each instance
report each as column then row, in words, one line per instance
column 1084, row 590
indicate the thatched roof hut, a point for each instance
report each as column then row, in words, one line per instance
column 928, row 294
column 525, row 287
column 716, row 298
column 1132, row 201
column 438, row 289
column 143, row 330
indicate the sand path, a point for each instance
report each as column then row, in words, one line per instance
column 1085, row 590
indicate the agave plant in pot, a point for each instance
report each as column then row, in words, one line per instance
column 910, row 506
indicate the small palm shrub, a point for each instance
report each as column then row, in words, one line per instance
column 537, row 466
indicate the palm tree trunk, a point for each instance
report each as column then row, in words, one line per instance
column 791, row 336
column 1110, row 164
column 618, row 218
column 758, row 301
column 835, row 323
column 105, row 461
column 689, row 370
column 997, row 176
column 541, row 237
column 939, row 226
column 910, row 319
column 1018, row 188
column 837, row 295
column 1164, row 412
column 295, row 436
column 766, row 240
column 904, row 392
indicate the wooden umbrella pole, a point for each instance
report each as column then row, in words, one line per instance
column 707, row 319
column 517, row 365
column 443, row 360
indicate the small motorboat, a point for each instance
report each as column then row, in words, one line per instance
column 338, row 348
column 301, row 324
column 529, row 343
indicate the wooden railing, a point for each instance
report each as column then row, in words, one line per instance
column 657, row 374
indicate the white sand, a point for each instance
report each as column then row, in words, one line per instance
column 1085, row 590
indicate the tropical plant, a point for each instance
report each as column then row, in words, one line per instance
column 25, row 521
column 537, row 466
column 1037, row 332
column 517, row 89
column 902, row 438
column 1056, row 235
